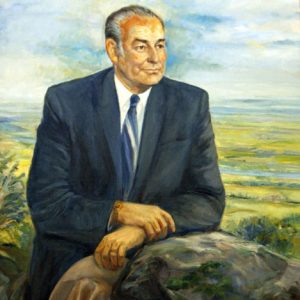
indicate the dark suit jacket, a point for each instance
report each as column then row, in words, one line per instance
column 75, row 175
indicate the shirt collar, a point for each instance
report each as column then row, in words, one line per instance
column 124, row 94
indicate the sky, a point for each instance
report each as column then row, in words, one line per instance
column 233, row 49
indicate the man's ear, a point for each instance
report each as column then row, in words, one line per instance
column 112, row 50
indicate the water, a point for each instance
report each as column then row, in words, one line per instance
column 287, row 109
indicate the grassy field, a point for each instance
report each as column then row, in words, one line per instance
column 259, row 156
column 260, row 163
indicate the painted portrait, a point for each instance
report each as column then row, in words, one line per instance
column 155, row 141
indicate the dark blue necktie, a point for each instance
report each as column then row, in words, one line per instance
column 129, row 146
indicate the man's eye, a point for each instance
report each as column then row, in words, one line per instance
column 140, row 48
column 160, row 46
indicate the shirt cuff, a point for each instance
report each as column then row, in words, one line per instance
column 110, row 226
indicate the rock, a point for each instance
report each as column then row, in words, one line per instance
column 206, row 266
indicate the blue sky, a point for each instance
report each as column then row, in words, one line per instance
column 233, row 49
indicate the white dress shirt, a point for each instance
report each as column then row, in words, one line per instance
column 124, row 103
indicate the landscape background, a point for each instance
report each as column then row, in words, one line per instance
column 245, row 54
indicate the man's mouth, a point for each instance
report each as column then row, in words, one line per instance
column 152, row 70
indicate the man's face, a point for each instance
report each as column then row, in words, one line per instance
column 142, row 63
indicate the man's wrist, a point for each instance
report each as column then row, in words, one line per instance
column 116, row 211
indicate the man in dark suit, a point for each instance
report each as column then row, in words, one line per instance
column 103, row 181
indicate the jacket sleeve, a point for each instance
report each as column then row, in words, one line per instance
column 56, row 209
column 200, row 203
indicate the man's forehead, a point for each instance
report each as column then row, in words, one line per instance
column 140, row 26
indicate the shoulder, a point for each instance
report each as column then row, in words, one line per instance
column 75, row 95
column 79, row 85
column 185, row 92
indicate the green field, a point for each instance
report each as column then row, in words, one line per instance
column 261, row 170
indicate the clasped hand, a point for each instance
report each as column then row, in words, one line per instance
column 111, row 251
column 139, row 221
column 155, row 221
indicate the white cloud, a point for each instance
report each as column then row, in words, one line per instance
column 233, row 43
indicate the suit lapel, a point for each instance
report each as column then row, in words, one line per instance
column 108, row 114
column 152, row 125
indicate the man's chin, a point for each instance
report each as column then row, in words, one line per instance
column 152, row 79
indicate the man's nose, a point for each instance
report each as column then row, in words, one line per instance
column 153, row 55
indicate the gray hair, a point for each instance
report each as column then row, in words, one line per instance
column 112, row 24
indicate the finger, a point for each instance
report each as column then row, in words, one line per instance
column 149, row 231
column 98, row 253
column 102, row 244
column 121, row 255
column 169, row 220
column 100, row 247
column 114, row 252
column 156, row 227
column 163, row 227
column 105, row 258
column 97, row 257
